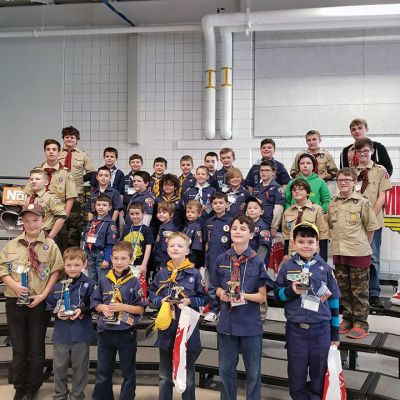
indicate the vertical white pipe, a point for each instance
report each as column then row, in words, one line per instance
column 209, row 90
column 226, row 82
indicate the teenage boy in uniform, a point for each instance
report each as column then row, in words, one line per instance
column 373, row 182
column 82, row 169
column 240, row 279
column 352, row 222
column 312, row 313
column 119, row 300
column 136, row 164
column 326, row 166
column 253, row 178
column 72, row 334
column 179, row 271
column 99, row 237
column 38, row 256
column 218, row 180
column 211, row 162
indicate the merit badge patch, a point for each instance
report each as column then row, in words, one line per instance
column 141, row 292
column 224, row 239
column 226, row 228
column 355, row 201
column 114, row 228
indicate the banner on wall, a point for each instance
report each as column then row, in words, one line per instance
column 392, row 208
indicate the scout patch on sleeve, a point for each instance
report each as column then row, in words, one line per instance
column 149, row 201
column 141, row 292
column 384, row 173
column 114, row 228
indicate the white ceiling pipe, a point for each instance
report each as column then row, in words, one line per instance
column 37, row 33
column 226, row 82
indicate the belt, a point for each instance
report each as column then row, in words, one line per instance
column 305, row 325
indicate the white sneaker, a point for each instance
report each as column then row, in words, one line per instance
column 210, row 317
column 395, row 299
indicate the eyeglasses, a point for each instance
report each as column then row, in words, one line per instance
column 344, row 180
column 365, row 151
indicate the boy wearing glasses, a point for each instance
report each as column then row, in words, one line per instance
column 352, row 223
column 372, row 182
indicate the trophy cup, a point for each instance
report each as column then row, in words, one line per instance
column 176, row 295
column 305, row 280
column 233, row 292
column 114, row 318
column 66, row 310
column 24, row 299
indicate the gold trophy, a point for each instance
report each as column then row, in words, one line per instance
column 233, row 292
column 177, row 294
column 305, row 280
column 114, row 318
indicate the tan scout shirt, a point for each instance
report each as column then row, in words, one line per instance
column 349, row 221
column 15, row 254
column 326, row 163
column 80, row 165
column 378, row 182
column 62, row 183
column 53, row 208
column 313, row 213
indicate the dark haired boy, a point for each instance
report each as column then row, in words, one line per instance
column 136, row 164
column 104, row 177
column 99, row 237
column 267, row 149
column 159, row 165
column 187, row 179
column 141, row 195
column 211, row 162
column 308, row 288
column 110, row 155
column 218, row 180
column 271, row 195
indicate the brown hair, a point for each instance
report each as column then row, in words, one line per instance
column 360, row 143
column 166, row 206
column 313, row 132
column 358, row 121
column 348, row 171
column 51, row 141
column 227, row 150
column 123, row 246
column 195, row 204
column 181, row 235
column 75, row 252
column 232, row 173
column 244, row 219
column 299, row 182
column 70, row 131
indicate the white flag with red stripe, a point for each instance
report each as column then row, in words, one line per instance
column 187, row 322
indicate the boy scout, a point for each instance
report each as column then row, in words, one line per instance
column 352, row 223
column 372, row 182
column 79, row 163
column 36, row 257
column 304, row 210
column 326, row 167
column 218, row 180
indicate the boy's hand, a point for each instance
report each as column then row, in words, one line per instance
column 166, row 298
column 20, row 290
column 77, row 314
column 296, row 290
column 116, row 307
column 273, row 232
column 224, row 297
column 63, row 317
column 335, row 343
column 107, row 312
column 105, row 264
column 36, row 300
column 143, row 269
column 185, row 301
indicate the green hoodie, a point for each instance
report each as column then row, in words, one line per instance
column 319, row 192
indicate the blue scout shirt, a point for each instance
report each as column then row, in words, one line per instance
column 117, row 180
column 321, row 272
column 190, row 280
column 78, row 330
column 269, row 196
column 261, row 236
column 218, row 180
column 194, row 232
column 160, row 248
column 132, row 294
column 105, row 233
column 187, row 182
column 139, row 236
column 253, row 177
column 205, row 200
column 111, row 193
column 217, row 234
column 241, row 320
column 237, row 200
column 145, row 198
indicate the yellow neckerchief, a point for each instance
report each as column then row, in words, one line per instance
column 118, row 283
column 185, row 264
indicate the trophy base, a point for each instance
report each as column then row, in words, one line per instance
column 67, row 313
column 112, row 320
column 302, row 286
column 23, row 301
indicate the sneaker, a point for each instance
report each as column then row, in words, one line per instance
column 375, row 302
column 357, row 333
column 395, row 299
column 210, row 317
column 345, row 327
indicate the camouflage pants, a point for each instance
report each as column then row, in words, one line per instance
column 354, row 285
column 75, row 221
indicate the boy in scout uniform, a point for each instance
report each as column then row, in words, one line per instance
column 82, row 169
column 326, row 166
column 36, row 259
column 54, row 208
column 304, row 210
column 372, row 182
column 352, row 222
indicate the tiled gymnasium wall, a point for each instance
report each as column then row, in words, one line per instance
column 170, row 99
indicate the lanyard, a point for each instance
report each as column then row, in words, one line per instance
column 137, row 237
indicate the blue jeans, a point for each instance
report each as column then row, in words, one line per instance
column 109, row 343
column 165, row 374
column 229, row 347
column 95, row 258
column 375, row 268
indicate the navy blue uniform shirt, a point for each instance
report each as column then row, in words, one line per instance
column 270, row 196
column 78, row 330
column 187, row 182
column 160, row 248
column 218, row 180
column 113, row 194
column 205, row 200
column 253, row 177
column 132, row 294
column 190, row 280
column 117, row 179
column 262, row 235
column 321, row 272
column 145, row 198
column 179, row 212
column 237, row 201
column 241, row 320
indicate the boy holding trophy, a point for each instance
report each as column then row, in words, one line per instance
column 29, row 266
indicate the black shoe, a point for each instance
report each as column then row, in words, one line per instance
column 19, row 395
column 375, row 302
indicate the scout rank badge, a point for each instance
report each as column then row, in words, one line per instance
column 23, row 270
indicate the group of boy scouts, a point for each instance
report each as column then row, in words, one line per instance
column 209, row 233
